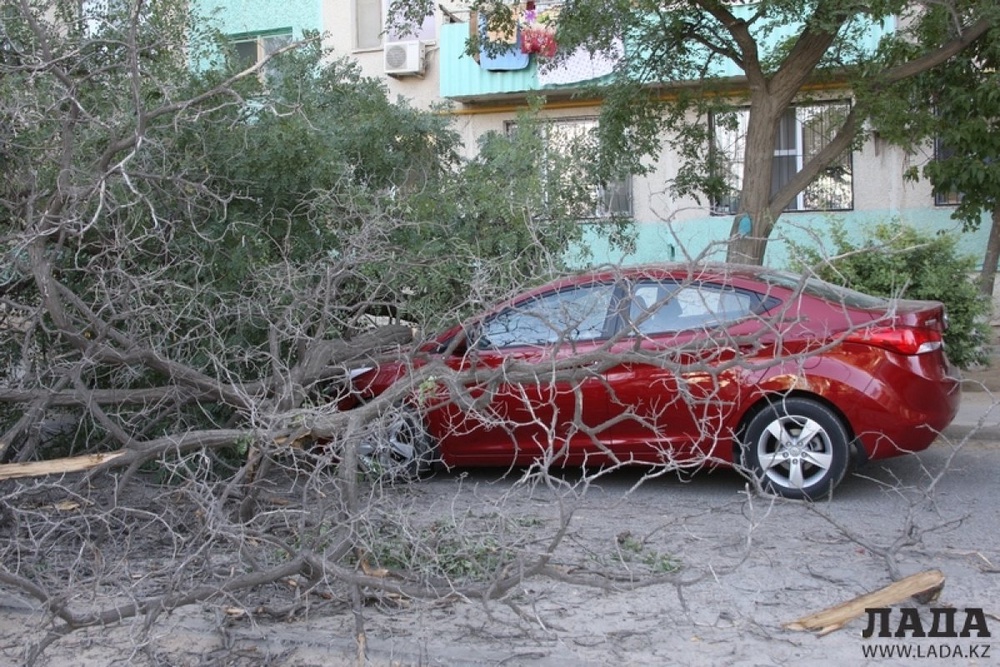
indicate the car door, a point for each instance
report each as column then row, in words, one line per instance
column 533, row 392
column 676, row 397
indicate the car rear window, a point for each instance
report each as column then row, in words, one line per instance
column 824, row 290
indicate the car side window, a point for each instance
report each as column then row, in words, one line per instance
column 574, row 314
column 664, row 306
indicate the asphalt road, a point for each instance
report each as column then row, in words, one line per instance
column 748, row 566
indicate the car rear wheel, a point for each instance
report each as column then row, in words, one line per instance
column 796, row 448
column 398, row 448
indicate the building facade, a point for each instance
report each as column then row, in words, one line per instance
column 429, row 66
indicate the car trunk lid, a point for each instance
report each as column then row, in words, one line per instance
column 908, row 327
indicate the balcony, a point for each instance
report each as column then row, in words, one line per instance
column 464, row 80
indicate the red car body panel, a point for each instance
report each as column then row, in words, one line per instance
column 689, row 406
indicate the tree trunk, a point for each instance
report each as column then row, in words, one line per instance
column 746, row 249
column 753, row 221
column 988, row 277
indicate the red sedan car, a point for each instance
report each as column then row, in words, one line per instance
column 789, row 379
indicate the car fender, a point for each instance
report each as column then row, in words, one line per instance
column 829, row 380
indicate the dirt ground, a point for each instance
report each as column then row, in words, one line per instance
column 702, row 572
column 747, row 566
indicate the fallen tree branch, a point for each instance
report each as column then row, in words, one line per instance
column 924, row 585
column 58, row 466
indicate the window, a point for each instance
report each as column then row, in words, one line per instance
column 580, row 313
column 401, row 29
column 803, row 132
column 251, row 48
column 573, row 142
column 660, row 307
column 367, row 24
column 951, row 197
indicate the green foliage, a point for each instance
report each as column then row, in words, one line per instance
column 323, row 153
column 701, row 44
column 894, row 260
column 633, row 550
column 457, row 551
column 501, row 219
column 220, row 220
column 956, row 104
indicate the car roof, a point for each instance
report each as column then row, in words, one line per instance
column 690, row 271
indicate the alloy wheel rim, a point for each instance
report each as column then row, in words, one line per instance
column 795, row 452
column 393, row 452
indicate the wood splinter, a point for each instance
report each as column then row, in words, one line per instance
column 925, row 586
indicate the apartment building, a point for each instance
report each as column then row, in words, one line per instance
column 430, row 66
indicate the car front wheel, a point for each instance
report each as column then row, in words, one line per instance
column 796, row 448
column 398, row 448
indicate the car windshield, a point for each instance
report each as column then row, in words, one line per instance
column 824, row 290
column 572, row 314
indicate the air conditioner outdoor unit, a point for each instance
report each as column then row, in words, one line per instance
column 404, row 58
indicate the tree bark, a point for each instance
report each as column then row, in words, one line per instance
column 988, row 277
column 769, row 98
column 748, row 242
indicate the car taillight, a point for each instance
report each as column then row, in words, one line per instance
column 904, row 340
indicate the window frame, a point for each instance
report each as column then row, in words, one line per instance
column 361, row 32
column 953, row 197
column 259, row 39
column 603, row 194
column 730, row 158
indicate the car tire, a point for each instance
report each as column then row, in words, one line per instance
column 796, row 448
column 398, row 448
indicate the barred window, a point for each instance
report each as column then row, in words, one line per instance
column 803, row 132
column 950, row 197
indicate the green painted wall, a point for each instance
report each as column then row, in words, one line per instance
column 242, row 16
column 462, row 77
column 704, row 238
